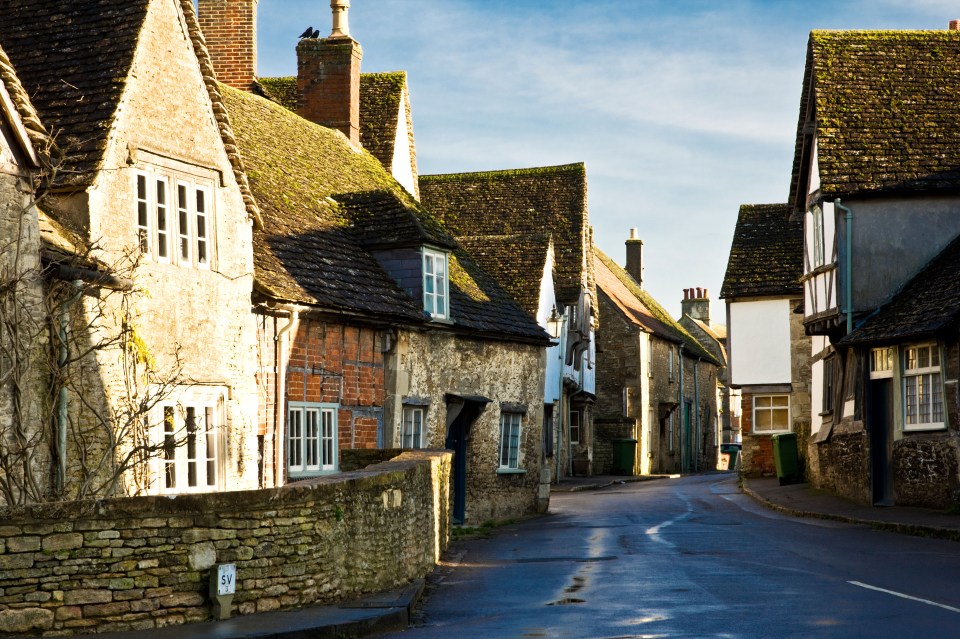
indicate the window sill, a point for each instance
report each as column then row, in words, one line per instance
column 924, row 428
column 769, row 432
column 511, row 471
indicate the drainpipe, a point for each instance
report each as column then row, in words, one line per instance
column 696, row 407
column 561, row 349
column 280, row 379
column 848, row 264
column 683, row 453
column 63, row 396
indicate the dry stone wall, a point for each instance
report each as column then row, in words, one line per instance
column 144, row 562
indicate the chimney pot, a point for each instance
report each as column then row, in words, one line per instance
column 954, row 25
column 699, row 293
column 341, row 22
column 635, row 257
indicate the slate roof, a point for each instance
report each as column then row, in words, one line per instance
column 887, row 112
column 640, row 308
column 73, row 58
column 322, row 202
column 766, row 255
column 522, row 203
column 926, row 305
column 38, row 135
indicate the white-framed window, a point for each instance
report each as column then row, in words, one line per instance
column 510, row 440
column 819, row 257
column 881, row 363
column 311, row 439
column 174, row 222
column 411, row 430
column 435, row 284
column 771, row 413
column 188, row 431
column 576, row 421
column 922, row 388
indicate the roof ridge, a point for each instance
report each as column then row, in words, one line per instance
column 655, row 308
column 220, row 111
column 41, row 139
column 536, row 170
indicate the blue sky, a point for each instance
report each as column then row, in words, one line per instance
column 681, row 109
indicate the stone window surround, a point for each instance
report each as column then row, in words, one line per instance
column 325, row 442
column 204, row 403
column 176, row 177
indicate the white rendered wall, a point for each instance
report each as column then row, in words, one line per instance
column 760, row 342
column 401, row 166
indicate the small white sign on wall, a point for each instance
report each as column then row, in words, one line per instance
column 226, row 579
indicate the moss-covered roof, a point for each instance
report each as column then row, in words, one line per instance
column 73, row 58
column 282, row 90
column 325, row 204
column 522, row 203
column 926, row 306
column 640, row 308
column 515, row 260
column 766, row 255
column 885, row 111
column 381, row 95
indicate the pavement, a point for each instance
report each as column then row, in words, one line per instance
column 390, row 611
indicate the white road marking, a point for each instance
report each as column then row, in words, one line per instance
column 903, row 596
column 654, row 532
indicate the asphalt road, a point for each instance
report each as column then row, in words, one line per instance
column 690, row 557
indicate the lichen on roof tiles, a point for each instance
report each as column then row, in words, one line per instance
column 325, row 203
column 887, row 112
column 522, row 203
column 766, row 254
column 73, row 58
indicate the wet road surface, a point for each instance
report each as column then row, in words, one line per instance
column 690, row 557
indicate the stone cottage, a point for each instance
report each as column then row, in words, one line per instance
column 530, row 229
column 149, row 239
column 656, row 384
column 768, row 349
column 377, row 329
column 879, row 230
column 696, row 319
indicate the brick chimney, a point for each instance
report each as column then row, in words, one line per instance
column 696, row 304
column 954, row 25
column 635, row 257
column 328, row 77
column 230, row 30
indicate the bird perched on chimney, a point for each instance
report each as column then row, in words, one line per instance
column 315, row 34
column 308, row 33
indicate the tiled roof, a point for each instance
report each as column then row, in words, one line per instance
column 520, row 203
column 386, row 218
column 640, row 308
column 73, row 58
column 320, row 199
column 925, row 306
column 38, row 135
column 766, row 256
column 887, row 112
column 514, row 260
column 380, row 97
